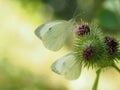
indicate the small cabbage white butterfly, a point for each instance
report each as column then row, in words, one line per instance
column 54, row 34
column 68, row 66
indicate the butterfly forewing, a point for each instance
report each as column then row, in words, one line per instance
column 55, row 37
column 42, row 29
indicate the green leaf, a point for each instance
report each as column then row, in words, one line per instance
column 108, row 19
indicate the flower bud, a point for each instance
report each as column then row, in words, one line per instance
column 83, row 29
column 88, row 53
column 111, row 45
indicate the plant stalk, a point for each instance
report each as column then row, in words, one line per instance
column 96, row 80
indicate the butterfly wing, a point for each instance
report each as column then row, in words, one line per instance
column 54, row 34
column 57, row 35
column 42, row 29
column 68, row 67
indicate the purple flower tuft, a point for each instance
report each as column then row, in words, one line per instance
column 88, row 53
column 83, row 29
column 111, row 45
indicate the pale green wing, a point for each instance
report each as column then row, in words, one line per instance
column 55, row 37
column 42, row 29
column 68, row 67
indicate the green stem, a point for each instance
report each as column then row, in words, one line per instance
column 96, row 80
column 114, row 65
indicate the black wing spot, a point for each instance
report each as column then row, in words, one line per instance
column 50, row 28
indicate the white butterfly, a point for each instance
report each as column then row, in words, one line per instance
column 54, row 34
column 68, row 66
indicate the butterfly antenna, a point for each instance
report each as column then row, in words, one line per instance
column 78, row 16
column 75, row 12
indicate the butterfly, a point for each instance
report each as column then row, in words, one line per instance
column 54, row 34
column 68, row 66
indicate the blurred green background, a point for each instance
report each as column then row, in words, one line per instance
column 25, row 62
